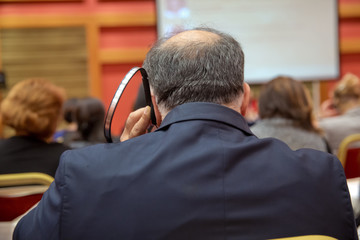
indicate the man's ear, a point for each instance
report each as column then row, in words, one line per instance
column 156, row 111
column 246, row 99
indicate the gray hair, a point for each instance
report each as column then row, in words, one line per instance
column 201, row 71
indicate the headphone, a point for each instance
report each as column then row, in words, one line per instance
column 117, row 96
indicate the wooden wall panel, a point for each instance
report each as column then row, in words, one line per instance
column 57, row 54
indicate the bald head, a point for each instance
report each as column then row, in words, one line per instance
column 200, row 65
column 192, row 36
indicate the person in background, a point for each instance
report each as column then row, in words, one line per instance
column 1, row 129
column 68, row 126
column 1, row 122
column 32, row 108
column 201, row 174
column 88, row 115
column 341, row 113
column 286, row 113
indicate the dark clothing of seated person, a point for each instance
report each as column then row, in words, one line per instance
column 32, row 108
column 201, row 174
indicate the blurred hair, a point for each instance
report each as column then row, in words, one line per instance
column 347, row 89
column 287, row 98
column 89, row 115
column 69, row 110
column 32, row 107
column 196, row 71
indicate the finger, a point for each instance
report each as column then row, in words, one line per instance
column 130, row 122
column 133, row 120
column 142, row 125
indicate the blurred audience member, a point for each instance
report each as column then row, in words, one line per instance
column 1, row 129
column 33, row 108
column 69, row 126
column 286, row 113
column 1, row 123
column 89, row 117
column 341, row 113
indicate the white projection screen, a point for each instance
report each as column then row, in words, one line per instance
column 297, row 38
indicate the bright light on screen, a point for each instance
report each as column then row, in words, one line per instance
column 298, row 38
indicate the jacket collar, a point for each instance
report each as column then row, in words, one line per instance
column 206, row 111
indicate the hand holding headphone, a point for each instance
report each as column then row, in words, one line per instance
column 118, row 94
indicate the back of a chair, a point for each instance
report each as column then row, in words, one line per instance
column 349, row 155
column 20, row 191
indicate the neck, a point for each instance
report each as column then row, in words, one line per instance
column 235, row 105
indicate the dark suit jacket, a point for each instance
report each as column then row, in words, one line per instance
column 27, row 154
column 201, row 175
